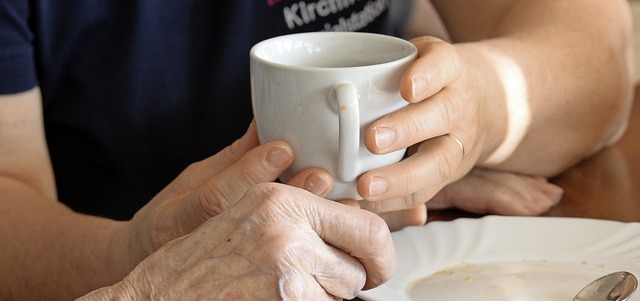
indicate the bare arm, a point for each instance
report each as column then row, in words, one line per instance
column 564, row 72
column 57, row 252
column 529, row 87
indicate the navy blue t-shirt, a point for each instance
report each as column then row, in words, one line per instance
column 135, row 90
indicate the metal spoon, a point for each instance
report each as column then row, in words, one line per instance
column 616, row 286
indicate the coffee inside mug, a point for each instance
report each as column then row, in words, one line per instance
column 338, row 51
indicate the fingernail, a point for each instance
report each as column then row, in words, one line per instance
column 378, row 186
column 316, row 185
column 555, row 195
column 385, row 137
column 418, row 87
column 278, row 156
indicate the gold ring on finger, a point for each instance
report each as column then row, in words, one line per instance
column 457, row 142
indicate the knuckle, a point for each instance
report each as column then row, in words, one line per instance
column 378, row 235
column 505, row 193
column 159, row 237
column 415, row 127
column 451, row 59
column 220, row 194
column 285, row 252
column 289, row 252
column 212, row 200
column 273, row 202
column 192, row 167
column 253, row 172
column 451, row 52
column 254, row 167
column 445, row 167
column 427, row 44
column 406, row 184
column 372, row 206
column 413, row 199
column 448, row 109
column 424, row 195
column 269, row 194
column 236, row 149
column 126, row 290
column 290, row 284
column 185, row 180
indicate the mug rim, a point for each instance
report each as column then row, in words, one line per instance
column 411, row 54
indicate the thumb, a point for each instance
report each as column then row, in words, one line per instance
column 200, row 172
column 259, row 165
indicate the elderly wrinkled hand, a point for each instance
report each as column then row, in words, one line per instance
column 209, row 187
column 277, row 243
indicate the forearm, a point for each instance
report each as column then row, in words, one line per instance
column 51, row 253
column 557, row 81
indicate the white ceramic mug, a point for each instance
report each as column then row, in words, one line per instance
column 320, row 91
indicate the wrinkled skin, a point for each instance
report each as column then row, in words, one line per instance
column 277, row 243
column 211, row 186
column 465, row 89
column 256, row 240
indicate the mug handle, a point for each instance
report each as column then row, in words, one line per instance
column 348, row 130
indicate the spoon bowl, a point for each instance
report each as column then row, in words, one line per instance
column 618, row 286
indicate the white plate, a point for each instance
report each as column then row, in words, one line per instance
column 499, row 258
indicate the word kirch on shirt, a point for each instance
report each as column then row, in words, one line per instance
column 302, row 13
